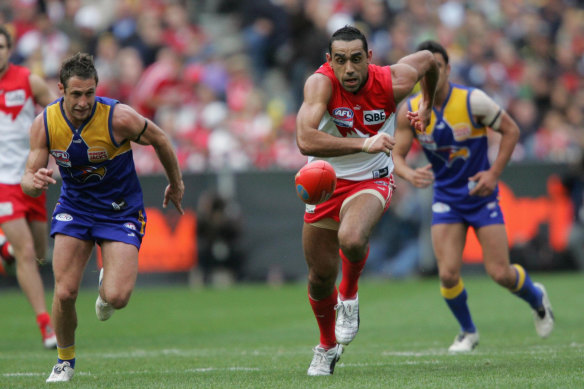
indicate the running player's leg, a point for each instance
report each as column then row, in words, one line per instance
column 40, row 233
column 70, row 257
column 493, row 240
column 120, row 266
column 19, row 235
column 448, row 240
column 359, row 215
column 321, row 252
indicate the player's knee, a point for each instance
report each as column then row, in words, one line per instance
column 501, row 276
column 321, row 280
column 353, row 245
column 25, row 254
column 117, row 299
column 449, row 278
column 66, row 295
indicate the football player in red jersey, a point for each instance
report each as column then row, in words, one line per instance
column 348, row 119
column 23, row 219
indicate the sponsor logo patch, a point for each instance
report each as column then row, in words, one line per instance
column 440, row 208
column 6, row 209
column 15, row 98
column 64, row 217
column 130, row 226
column 97, row 154
column 373, row 117
column 461, row 131
column 384, row 172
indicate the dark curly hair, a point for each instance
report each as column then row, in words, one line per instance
column 80, row 65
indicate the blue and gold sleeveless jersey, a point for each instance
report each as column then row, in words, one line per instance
column 98, row 173
column 456, row 146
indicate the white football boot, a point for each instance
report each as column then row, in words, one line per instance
column 347, row 323
column 103, row 309
column 464, row 342
column 62, row 372
column 544, row 320
column 323, row 362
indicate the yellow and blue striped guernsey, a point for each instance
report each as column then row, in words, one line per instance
column 98, row 173
column 456, row 146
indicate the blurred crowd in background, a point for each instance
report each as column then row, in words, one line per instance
column 224, row 77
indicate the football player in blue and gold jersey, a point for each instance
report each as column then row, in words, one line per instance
column 465, row 192
column 101, row 199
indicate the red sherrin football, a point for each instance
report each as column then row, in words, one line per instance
column 315, row 182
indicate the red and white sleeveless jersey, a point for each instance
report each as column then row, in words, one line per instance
column 17, row 111
column 360, row 115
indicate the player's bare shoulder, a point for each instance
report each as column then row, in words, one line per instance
column 126, row 122
column 318, row 87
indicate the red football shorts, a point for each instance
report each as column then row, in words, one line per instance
column 15, row 204
column 345, row 191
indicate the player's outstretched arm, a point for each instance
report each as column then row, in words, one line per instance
column 419, row 66
column 404, row 137
column 36, row 176
column 128, row 124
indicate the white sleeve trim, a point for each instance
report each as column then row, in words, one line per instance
column 485, row 109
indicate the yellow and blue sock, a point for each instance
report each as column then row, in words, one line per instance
column 66, row 354
column 456, row 298
column 525, row 289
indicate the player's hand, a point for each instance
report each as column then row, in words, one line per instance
column 485, row 183
column 420, row 119
column 380, row 143
column 422, row 176
column 42, row 178
column 175, row 195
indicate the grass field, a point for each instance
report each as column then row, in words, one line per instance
column 256, row 336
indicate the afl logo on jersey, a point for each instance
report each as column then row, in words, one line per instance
column 61, row 157
column 373, row 117
column 97, row 154
column 343, row 117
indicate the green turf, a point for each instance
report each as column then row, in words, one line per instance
column 257, row 336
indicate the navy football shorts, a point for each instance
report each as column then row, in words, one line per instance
column 487, row 214
column 98, row 227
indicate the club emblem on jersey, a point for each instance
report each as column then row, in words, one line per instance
column 87, row 173
column 97, row 154
column 61, row 157
column 458, row 153
column 343, row 117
